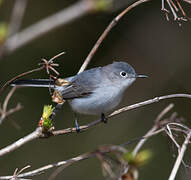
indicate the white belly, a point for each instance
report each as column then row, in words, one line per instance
column 98, row 102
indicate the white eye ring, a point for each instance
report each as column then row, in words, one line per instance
column 123, row 74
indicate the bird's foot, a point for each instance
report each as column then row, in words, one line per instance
column 77, row 125
column 103, row 118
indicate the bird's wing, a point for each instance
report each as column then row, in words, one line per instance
column 83, row 84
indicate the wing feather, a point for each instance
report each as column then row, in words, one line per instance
column 82, row 84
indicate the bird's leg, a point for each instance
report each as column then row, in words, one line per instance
column 56, row 109
column 103, row 118
column 76, row 123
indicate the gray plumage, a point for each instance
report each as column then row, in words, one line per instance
column 93, row 91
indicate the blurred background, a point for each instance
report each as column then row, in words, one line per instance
column 143, row 38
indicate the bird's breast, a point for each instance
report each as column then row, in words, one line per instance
column 100, row 101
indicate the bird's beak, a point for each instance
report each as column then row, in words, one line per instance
column 141, row 76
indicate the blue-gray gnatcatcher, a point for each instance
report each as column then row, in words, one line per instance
column 94, row 91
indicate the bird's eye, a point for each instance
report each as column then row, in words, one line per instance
column 123, row 74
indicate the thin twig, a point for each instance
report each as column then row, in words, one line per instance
column 105, row 33
column 8, row 98
column 4, row 87
column 3, row 110
column 10, row 111
column 188, row 1
column 46, row 64
column 169, row 133
column 180, row 157
column 172, row 10
column 153, row 129
column 175, row 7
column 180, row 125
column 181, row 9
column 164, row 112
column 17, row 172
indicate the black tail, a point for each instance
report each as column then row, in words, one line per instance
column 33, row 83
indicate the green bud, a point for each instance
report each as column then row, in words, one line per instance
column 47, row 111
column 46, row 121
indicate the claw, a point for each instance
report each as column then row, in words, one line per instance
column 103, row 118
column 76, row 124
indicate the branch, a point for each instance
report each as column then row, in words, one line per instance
column 46, row 64
column 150, row 101
column 17, row 172
column 112, row 24
column 3, row 110
column 119, row 111
column 188, row 1
column 153, row 129
column 66, row 163
column 175, row 8
column 34, row 135
column 39, row 133
column 6, row 85
column 180, row 157
column 100, row 151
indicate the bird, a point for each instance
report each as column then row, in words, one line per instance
column 94, row 91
